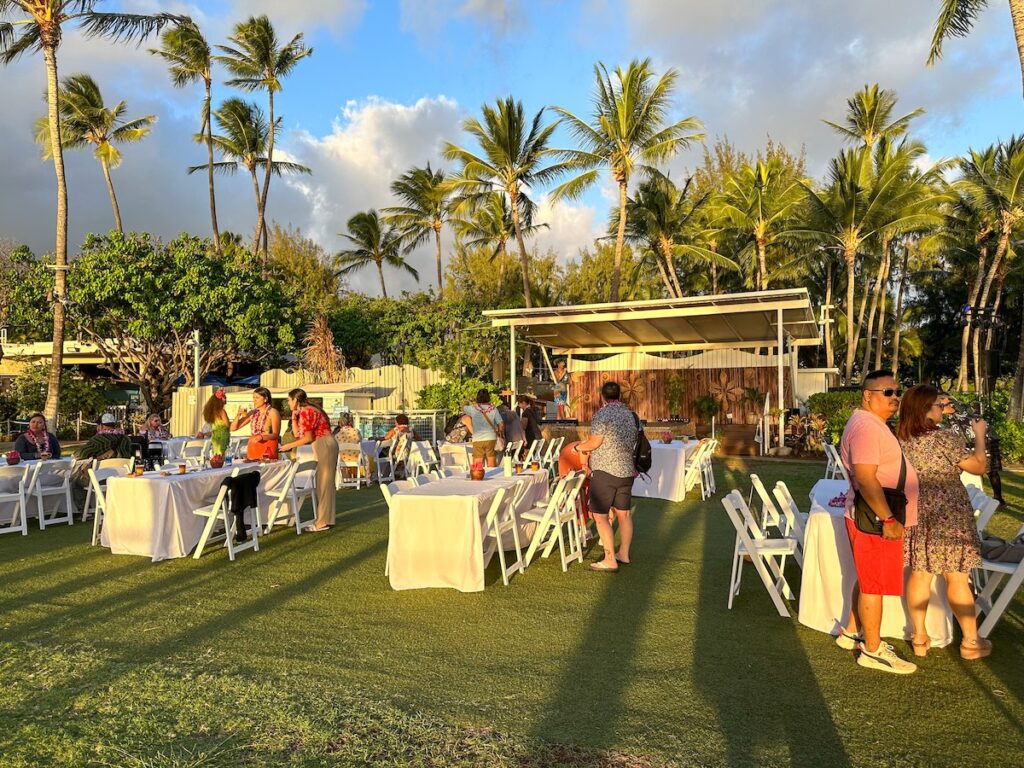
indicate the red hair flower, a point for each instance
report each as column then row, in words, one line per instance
column 219, row 394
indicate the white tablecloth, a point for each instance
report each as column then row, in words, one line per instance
column 829, row 575
column 668, row 470
column 152, row 515
column 435, row 534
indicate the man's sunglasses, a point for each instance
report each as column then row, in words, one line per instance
column 888, row 392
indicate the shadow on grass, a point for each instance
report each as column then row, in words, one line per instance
column 594, row 681
column 750, row 665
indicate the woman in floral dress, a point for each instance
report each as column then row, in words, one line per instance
column 945, row 540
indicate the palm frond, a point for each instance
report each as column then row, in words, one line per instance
column 956, row 19
column 128, row 27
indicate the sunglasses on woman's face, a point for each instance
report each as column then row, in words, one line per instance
column 888, row 392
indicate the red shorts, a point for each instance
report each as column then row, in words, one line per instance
column 879, row 562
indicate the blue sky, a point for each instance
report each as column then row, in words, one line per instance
column 390, row 82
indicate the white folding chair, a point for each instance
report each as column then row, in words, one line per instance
column 299, row 483
column 761, row 551
column 98, row 491
column 567, row 525
column 219, row 512
column 501, row 519
column 358, row 464
column 238, row 447
column 14, row 483
column 52, row 479
column 421, row 479
column 550, row 460
column 194, row 451
column 121, row 467
column 987, row 603
column 708, row 469
column 513, row 449
column 543, row 515
column 780, row 520
column 830, row 460
column 984, row 509
column 693, row 474
column 535, row 452
column 795, row 519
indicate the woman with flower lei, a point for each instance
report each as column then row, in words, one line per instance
column 264, row 422
column 37, row 442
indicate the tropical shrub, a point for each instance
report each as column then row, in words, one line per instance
column 835, row 408
column 450, row 396
column 27, row 395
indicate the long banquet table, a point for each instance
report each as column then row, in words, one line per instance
column 668, row 471
column 829, row 575
column 436, row 536
column 152, row 515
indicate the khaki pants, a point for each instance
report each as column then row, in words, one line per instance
column 325, row 449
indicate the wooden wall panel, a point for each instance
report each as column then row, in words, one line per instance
column 644, row 391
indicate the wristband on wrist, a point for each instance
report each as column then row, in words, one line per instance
column 889, row 520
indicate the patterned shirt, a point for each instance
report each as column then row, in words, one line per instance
column 616, row 423
column 312, row 420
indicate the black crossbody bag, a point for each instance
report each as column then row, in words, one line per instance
column 864, row 516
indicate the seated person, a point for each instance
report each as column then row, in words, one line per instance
column 347, row 434
column 402, row 426
column 108, row 425
column 154, row 430
column 37, row 442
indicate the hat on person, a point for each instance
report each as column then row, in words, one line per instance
column 108, row 418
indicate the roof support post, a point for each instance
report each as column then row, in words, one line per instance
column 512, row 378
column 778, row 359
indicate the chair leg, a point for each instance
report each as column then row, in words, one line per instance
column 501, row 554
column 229, row 531
column 766, row 579
column 207, row 530
column 1001, row 603
column 97, row 520
column 734, row 585
column 39, row 508
column 88, row 502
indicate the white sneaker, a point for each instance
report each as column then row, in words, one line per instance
column 847, row 641
column 886, row 660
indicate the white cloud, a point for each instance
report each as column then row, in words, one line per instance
column 571, row 227
column 496, row 19
column 339, row 16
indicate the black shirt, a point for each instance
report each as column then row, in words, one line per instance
column 532, row 423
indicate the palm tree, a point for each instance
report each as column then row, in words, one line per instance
column 374, row 244
column 242, row 142
column 669, row 221
column 490, row 225
column 38, row 25
column 760, row 204
column 188, row 56
column 86, row 121
column 998, row 190
column 424, row 193
column 511, row 160
column 869, row 117
column 627, row 134
column 258, row 61
column 957, row 17
column 851, row 210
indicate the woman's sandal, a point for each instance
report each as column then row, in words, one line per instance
column 978, row 648
column 602, row 568
column 920, row 648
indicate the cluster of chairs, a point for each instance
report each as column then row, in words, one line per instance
column 700, row 471
column 767, row 540
column 558, row 520
column 30, row 483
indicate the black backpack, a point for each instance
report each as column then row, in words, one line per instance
column 642, row 452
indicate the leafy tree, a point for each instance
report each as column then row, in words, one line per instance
column 259, row 62
column 489, row 225
column 511, row 159
column 140, row 300
column 81, row 395
column 307, row 277
column 243, row 142
column 39, row 25
column 424, row 211
column 190, row 60
column 24, row 311
column 451, row 396
column 374, row 244
column 627, row 133
column 86, row 121
column 869, row 117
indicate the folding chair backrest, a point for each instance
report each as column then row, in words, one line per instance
column 194, row 449
column 753, row 529
column 494, row 511
column 350, row 448
column 769, row 514
column 14, row 479
column 422, row 479
column 121, row 465
column 52, row 474
column 985, row 508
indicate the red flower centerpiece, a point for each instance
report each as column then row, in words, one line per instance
column 13, row 457
column 476, row 471
column 216, row 461
column 666, row 437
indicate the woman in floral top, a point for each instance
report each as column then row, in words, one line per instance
column 37, row 442
column 311, row 426
column 945, row 540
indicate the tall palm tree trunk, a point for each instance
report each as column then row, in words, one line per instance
column 997, row 261
column 965, row 335
column 524, row 260
column 208, row 132
column 898, row 323
column 713, row 247
column 850, row 257
column 261, row 214
column 620, row 239
column 762, row 265
column 664, row 274
column 863, row 309
column 666, row 249
column 883, row 265
column 1016, row 398
column 883, row 301
column 113, row 196
column 380, row 274
column 830, row 359
column 437, row 243
column 61, row 249
column 1017, row 14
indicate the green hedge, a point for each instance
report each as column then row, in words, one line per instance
column 836, row 408
column 450, row 396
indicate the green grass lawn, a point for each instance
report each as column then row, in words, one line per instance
column 301, row 655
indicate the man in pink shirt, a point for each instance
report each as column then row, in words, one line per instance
column 873, row 460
